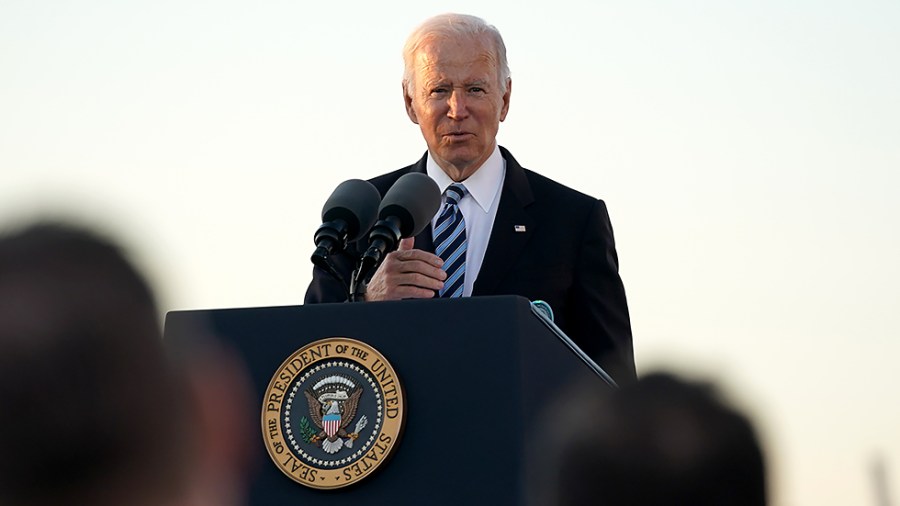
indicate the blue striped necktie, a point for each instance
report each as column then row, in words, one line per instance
column 450, row 241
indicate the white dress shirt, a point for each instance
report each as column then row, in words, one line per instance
column 478, row 207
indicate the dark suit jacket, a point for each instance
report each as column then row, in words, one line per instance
column 566, row 256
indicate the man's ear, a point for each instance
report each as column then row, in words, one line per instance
column 410, row 110
column 505, row 109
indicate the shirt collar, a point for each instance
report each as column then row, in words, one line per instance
column 483, row 184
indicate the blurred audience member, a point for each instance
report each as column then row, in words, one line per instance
column 93, row 410
column 659, row 441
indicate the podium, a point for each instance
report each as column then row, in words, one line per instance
column 478, row 374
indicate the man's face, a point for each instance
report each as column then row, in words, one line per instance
column 458, row 103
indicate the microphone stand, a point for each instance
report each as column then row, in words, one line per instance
column 382, row 240
column 357, row 291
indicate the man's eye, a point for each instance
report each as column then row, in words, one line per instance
column 438, row 91
column 476, row 89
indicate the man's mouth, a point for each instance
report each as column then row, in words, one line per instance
column 457, row 135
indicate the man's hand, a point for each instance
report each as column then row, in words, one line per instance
column 407, row 274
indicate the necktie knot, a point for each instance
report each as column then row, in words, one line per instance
column 454, row 193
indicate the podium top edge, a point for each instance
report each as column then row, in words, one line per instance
column 463, row 300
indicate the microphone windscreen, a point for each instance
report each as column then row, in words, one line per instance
column 414, row 199
column 356, row 202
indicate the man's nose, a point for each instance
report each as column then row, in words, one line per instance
column 457, row 104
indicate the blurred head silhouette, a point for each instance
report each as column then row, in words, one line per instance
column 91, row 408
column 659, row 441
column 94, row 411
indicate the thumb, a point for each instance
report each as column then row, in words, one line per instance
column 406, row 244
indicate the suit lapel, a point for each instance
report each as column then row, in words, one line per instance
column 513, row 227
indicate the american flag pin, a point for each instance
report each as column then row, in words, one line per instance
column 519, row 228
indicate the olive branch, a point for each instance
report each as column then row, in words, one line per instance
column 306, row 430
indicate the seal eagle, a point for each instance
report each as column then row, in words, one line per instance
column 332, row 406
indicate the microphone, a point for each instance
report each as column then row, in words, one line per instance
column 347, row 215
column 406, row 209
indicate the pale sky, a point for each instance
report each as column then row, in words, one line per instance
column 748, row 153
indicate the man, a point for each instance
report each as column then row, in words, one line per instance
column 661, row 440
column 95, row 412
column 505, row 230
column 92, row 410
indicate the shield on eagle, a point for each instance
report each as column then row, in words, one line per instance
column 331, row 422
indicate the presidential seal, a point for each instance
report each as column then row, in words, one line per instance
column 332, row 413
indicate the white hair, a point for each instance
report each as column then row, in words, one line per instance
column 453, row 26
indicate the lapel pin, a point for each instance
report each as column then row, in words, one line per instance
column 519, row 228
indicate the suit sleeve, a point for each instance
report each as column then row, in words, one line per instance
column 600, row 309
column 324, row 287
